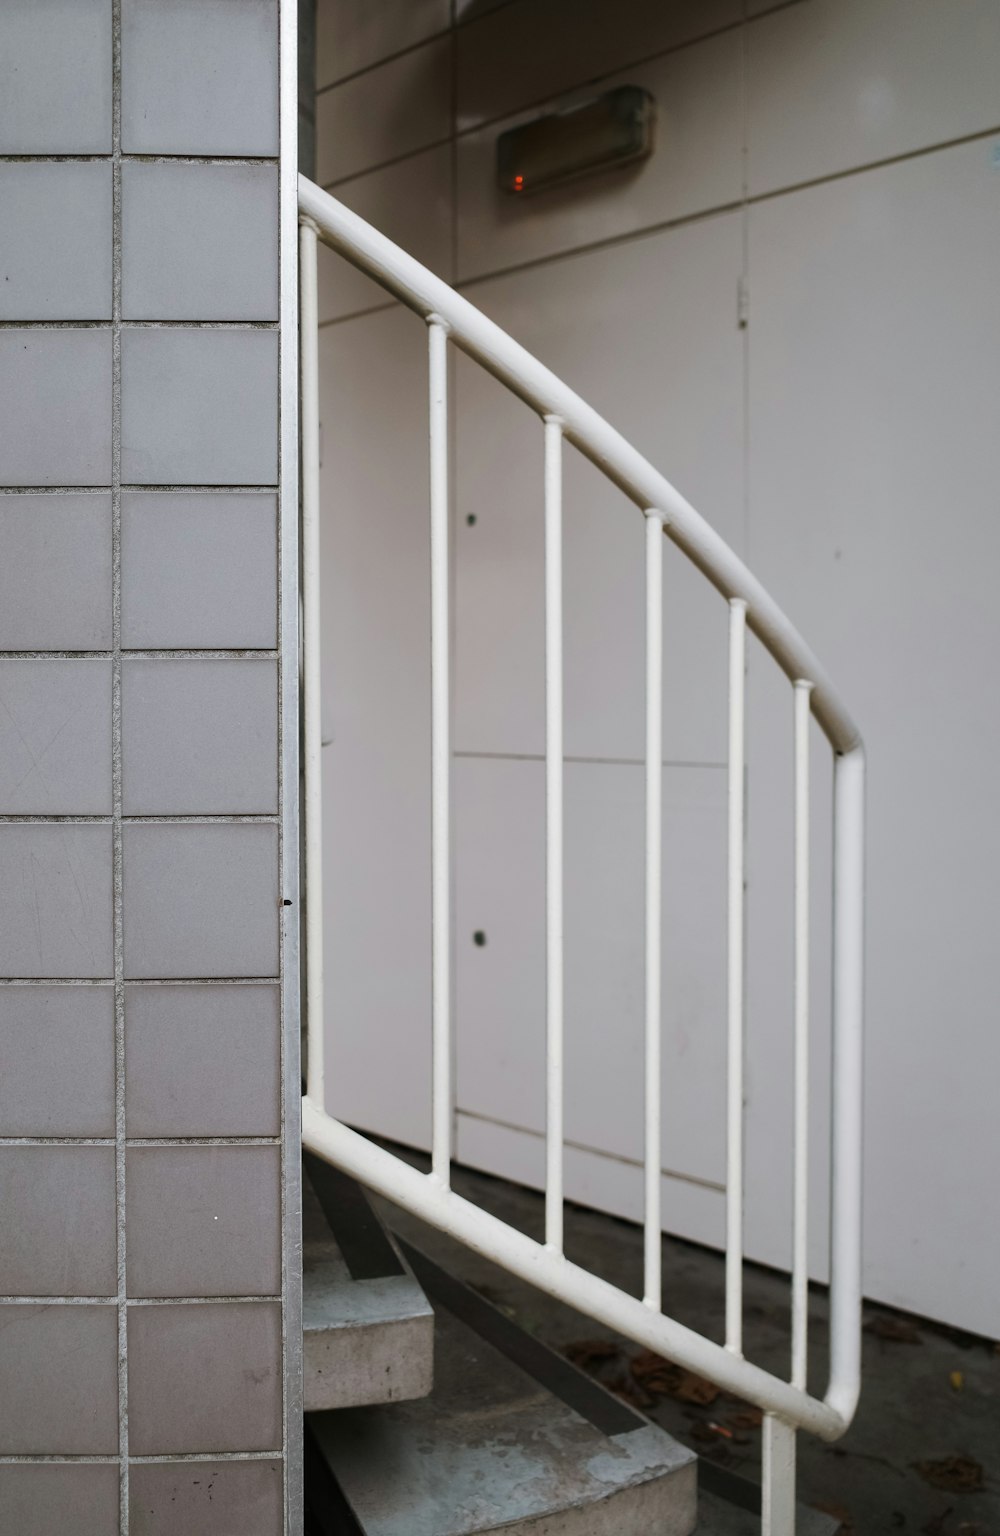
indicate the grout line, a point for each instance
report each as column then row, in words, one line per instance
column 145, row 819
column 166, row 653
column 126, row 158
column 108, row 1460
column 184, row 489
column 140, row 1141
column 287, row 916
column 135, row 1301
column 203, row 1141
column 116, row 765
column 138, row 981
column 138, row 325
column 262, row 1300
column 207, row 1456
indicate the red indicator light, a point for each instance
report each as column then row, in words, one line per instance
column 518, row 183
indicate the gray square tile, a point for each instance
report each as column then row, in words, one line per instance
column 58, row 1380
column 201, row 1060
column 199, row 242
column 55, row 241
column 55, row 403
column 200, row 79
column 199, row 737
column 55, row 738
column 204, row 1377
column 201, row 900
column 206, row 1498
column 203, row 1221
column 57, row 1045
column 55, row 77
column 41, row 1498
column 199, row 570
column 55, row 900
column 55, row 576
column 199, row 407
column 57, row 1214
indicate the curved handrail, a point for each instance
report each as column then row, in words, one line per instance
column 429, row 1195
column 539, row 387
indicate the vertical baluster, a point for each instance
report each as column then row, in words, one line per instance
column 734, row 1083
column 778, row 1490
column 652, row 1280
column 311, row 693
column 553, row 835
column 440, row 755
column 800, row 1228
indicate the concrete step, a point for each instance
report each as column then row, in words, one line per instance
column 513, row 1438
column 367, row 1327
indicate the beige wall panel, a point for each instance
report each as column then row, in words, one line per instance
column 355, row 34
column 376, row 681
column 835, row 84
column 874, row 460
column 387, row 112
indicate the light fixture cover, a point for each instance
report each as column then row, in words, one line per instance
column 609, row 130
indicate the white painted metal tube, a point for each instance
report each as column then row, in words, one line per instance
column 554, row 941
column 778, row 1490
column 534, row 1262
column 653, row 1244
column 311, row 661
column 437, row 334
column 734, row 980
column 800, row 1168
column 540, row 388
column 848, row 1083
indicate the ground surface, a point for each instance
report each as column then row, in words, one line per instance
column 923, row 1455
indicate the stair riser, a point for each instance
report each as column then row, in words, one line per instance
column 385, row 1363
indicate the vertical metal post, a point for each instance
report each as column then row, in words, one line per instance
column 800, row 1195
column 553, row 836
column 440, row 754
column 734, row 1078
column 848, row 1081
column 778, row 1492
column 311, row 662
column 653, row 1243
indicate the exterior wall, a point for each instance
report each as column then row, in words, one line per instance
column 834, row 161
column 149, row 1148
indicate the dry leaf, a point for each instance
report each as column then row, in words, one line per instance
column 953, row 1474
column 957, row 1381
column 894, row 1330
column 665, row 1380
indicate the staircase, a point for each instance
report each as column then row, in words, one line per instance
column 430, row 1412
column 509, row 1438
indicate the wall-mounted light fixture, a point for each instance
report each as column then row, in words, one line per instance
column 610, row 130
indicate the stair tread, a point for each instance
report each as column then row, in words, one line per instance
column 493, row 1448
column 367, row 1325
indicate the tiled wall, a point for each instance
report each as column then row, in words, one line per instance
column 148, row 1170
column 828, row 170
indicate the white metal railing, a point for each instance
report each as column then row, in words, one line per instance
column 566, row 418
